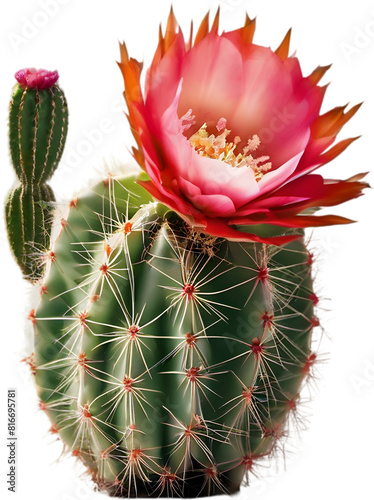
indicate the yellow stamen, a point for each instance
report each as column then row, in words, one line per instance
column 218, row 148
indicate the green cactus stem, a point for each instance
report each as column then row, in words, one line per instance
column 168, row 361
column 29, row 217
column 38, row 119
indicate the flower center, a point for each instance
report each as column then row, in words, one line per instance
column 218, row 147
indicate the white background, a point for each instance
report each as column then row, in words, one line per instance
column 334, row 457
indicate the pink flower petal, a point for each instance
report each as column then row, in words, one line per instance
column 275, row 178
column 163, row 79
column 214, row 205
column 212, row 80
column 273, row 107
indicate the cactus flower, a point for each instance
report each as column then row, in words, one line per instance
column 230, row 133
column 36, row 78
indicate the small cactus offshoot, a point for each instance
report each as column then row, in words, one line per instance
column 38, row 120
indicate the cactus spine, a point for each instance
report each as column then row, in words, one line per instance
column 38, row 119
column 168, row 361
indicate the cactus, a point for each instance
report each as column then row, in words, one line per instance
column 29, row 224
column 38, row 119
column 168, row 360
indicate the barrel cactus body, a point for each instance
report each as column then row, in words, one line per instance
column 38, row 119
column 168, row 361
